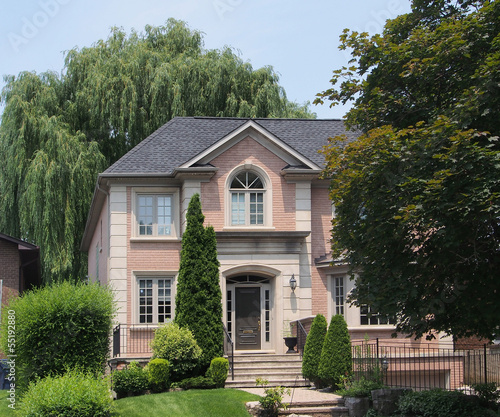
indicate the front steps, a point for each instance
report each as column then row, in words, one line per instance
column 279, row 370
column 320, row 408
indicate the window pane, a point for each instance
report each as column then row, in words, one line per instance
column 164, row 205
column 237, row 208
column 145, row 209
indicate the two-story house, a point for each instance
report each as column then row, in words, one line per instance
column 260, row 188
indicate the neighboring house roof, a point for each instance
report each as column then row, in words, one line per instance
column 182, row 139
column 20, row 243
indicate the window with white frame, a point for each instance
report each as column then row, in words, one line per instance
column 155, row 300
column 247, row 199
column 368, row 317
column 155, row 215
column 338, row 295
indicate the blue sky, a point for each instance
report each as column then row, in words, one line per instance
column 299, row 39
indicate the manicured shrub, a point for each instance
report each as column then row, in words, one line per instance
column 74, row 394
column 59, row 327
column 159, row 374
column 312, row 350
column 219, row 367
column 336, row 358
column 198, row 302
column 179, row 347
column 131, row 380
column 439, row 403
column 197, row 382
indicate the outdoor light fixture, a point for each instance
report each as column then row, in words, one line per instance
column 385, row 364
column 293, row 283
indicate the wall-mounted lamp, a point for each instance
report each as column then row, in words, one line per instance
column 385, row 364
column 293, row 283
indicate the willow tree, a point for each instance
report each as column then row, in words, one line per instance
column 59, row 131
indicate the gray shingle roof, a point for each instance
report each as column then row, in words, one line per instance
column 183, row 138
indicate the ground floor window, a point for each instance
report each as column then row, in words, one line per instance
column 155, row 300
column 368, row 317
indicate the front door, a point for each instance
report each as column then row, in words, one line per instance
column 247, row 318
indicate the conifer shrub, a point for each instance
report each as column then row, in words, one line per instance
column 178, row 346
column 312, row 350
column 219, row 368
column 159, row 374
column 198, row 302
column 74, row 394
column 59, row 327
column 336, row 357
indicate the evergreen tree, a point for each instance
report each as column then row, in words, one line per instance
column 198, row 303
column 336, row 356
column 312, row 349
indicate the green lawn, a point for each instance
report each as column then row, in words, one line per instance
column 5, row 411
column 206, row 403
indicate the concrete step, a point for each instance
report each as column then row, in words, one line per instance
column 284, row 370
column 336, row 411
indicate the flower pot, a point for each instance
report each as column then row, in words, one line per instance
column 290, row 343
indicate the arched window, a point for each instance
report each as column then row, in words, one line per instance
column 247, row 199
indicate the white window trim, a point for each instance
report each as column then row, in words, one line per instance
column 268, row 199
column 155, row 275
column 175, row 231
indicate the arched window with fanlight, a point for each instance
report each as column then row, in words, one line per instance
column 247, row 196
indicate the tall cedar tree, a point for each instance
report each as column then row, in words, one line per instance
column 58, row 132
column 198, row 303
column 417, row 196
column 336, row 356
column 312, row 350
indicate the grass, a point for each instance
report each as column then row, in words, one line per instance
column 206, row 403
column 5, row 411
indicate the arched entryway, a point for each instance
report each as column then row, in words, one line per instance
column 249, row 311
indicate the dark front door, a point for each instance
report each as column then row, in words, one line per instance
column 247, row 316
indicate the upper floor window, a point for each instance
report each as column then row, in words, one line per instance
column 338, row 294
column 247, row 199
column 155, row 214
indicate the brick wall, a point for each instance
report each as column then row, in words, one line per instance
column 213, row 192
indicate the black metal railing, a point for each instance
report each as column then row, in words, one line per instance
column 229, row 350
column 133, row 340
column 425, row 366
column 301, row 338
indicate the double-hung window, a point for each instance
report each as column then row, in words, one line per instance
column 338, row 295
column 247, row 199
column 155, row 300
column 155, row 214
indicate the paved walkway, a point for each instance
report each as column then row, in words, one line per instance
column 300, row 394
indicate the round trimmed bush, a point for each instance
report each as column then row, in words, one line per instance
column 336, row 356
column 74, row 394
column 159, row 374
column 131, row 380
column 312, row 350
column 219, row 367
column 179, row 347
column 59, row 327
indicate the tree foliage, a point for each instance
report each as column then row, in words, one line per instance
column 59, row 131
column 198, row 302
column 416, row 196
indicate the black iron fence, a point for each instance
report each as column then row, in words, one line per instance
column 426, row 367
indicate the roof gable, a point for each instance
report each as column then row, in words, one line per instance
column 185, row 141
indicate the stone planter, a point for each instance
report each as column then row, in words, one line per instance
column 385, row 400
column 357, row 406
